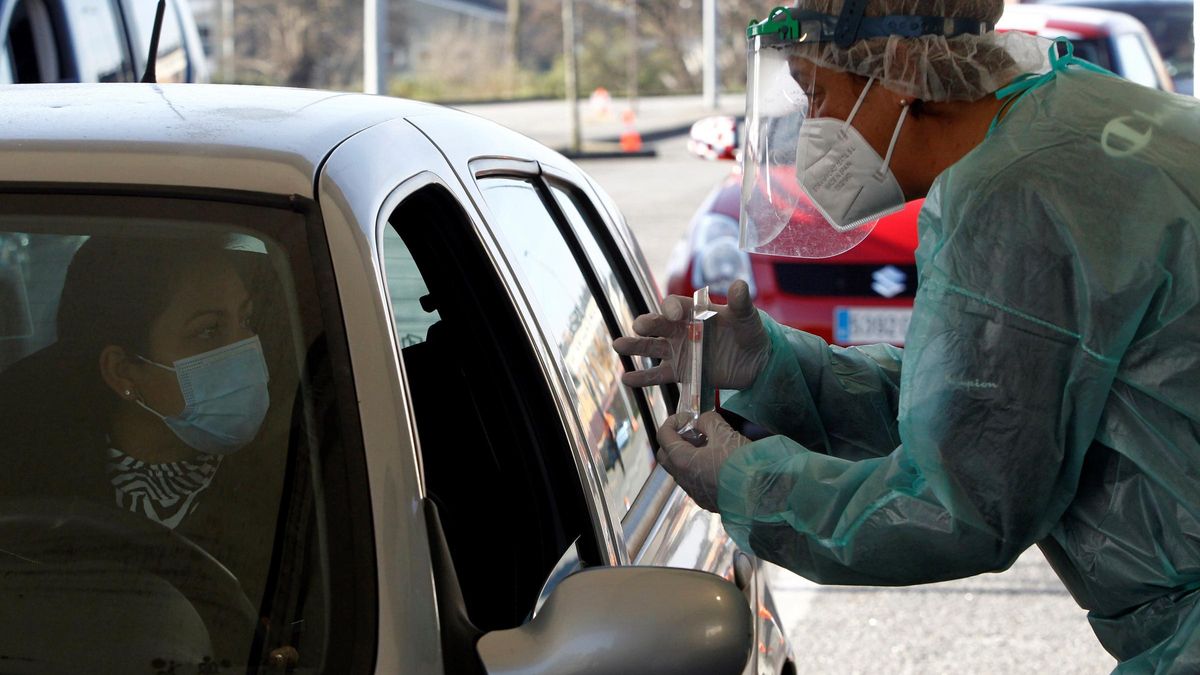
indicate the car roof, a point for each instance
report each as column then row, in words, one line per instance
column 1068, row 21
column 263, row 139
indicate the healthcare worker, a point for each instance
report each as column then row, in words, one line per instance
column 1049, row 391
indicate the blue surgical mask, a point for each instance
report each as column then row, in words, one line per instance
column 225, row 397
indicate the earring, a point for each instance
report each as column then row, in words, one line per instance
column 128, row 393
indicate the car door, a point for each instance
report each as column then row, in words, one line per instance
column 581, row 306
column 648, row 528
column 526, row 204
column 456, row 408
column 501, row 454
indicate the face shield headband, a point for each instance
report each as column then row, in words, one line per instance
column 814, row 188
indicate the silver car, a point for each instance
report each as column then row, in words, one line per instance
column 301, row 381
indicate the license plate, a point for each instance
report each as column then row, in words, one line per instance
column 865, row 325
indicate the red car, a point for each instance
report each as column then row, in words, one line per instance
column 865, row 295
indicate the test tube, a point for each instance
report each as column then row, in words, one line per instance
column 695, row 396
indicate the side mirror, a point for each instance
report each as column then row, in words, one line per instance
column 629, row 620
column 714, row 138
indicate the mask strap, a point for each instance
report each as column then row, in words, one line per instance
column 858, row 104
column 139, row 401
column 154, row 363
column 887, row 159
column 148, row 409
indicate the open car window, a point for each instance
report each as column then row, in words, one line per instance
column 173, row 440
column 495, row 459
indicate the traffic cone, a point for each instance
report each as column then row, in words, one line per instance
column 631, row 140
column 601, row 104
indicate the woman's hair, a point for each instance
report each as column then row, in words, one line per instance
column 115, row 288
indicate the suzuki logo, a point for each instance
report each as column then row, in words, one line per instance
column 889, row 281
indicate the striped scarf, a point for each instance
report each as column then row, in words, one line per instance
column 166, row 492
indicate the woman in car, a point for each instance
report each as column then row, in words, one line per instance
column 158, row 371
column 1049, row 390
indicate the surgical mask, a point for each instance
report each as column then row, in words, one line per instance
column 842, row 174
column 225, row 397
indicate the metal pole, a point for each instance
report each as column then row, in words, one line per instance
column 225, row 48
column 375, row 46
column 632, row 72
column 710, row 53
column 513, row 21
column 1195, row 41
column 572, row 74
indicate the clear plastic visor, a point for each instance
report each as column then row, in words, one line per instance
column 777, row 216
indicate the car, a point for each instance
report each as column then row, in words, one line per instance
column 449, row 475
column 865, row 295
column 1114, row 40
column 1170, row 23
column 96, row 41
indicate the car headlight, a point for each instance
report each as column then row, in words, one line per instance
column 713, row 226
column 718, row 260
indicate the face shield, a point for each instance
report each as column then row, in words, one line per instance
column 813, row 187
column 778, row 214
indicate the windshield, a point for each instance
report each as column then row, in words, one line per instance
column 164, row 421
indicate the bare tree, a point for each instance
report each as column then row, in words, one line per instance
column 300, row 43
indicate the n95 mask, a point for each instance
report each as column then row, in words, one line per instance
column 842, row 175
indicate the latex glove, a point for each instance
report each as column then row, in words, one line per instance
column 694, row 468
column 738, row 354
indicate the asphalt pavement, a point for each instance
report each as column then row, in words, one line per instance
column 1018, row 621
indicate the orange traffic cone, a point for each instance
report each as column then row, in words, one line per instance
column 631, row 140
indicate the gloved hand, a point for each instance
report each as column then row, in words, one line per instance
column 695, row 469
column 738, row 354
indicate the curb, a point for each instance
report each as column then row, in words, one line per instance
column 607, row 154
column 648, row 137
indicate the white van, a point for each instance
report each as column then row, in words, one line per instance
column 96, row 41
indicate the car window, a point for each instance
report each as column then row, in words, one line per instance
column 1092, row 51
column 97, row 33
column 168, row 409
column 494, row 456
column 406, row 288
column 172, row 63
column 1136, row 65
column 572, row 312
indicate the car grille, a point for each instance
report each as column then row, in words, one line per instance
column 875, row 280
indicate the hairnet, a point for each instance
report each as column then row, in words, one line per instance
column 932, row 67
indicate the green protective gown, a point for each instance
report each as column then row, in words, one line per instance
column 1049, row 391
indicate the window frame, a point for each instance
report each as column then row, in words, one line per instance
column 53, row 58
column 630, row 530
column 351, row 556
column 597, row 548
column 643, row 515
